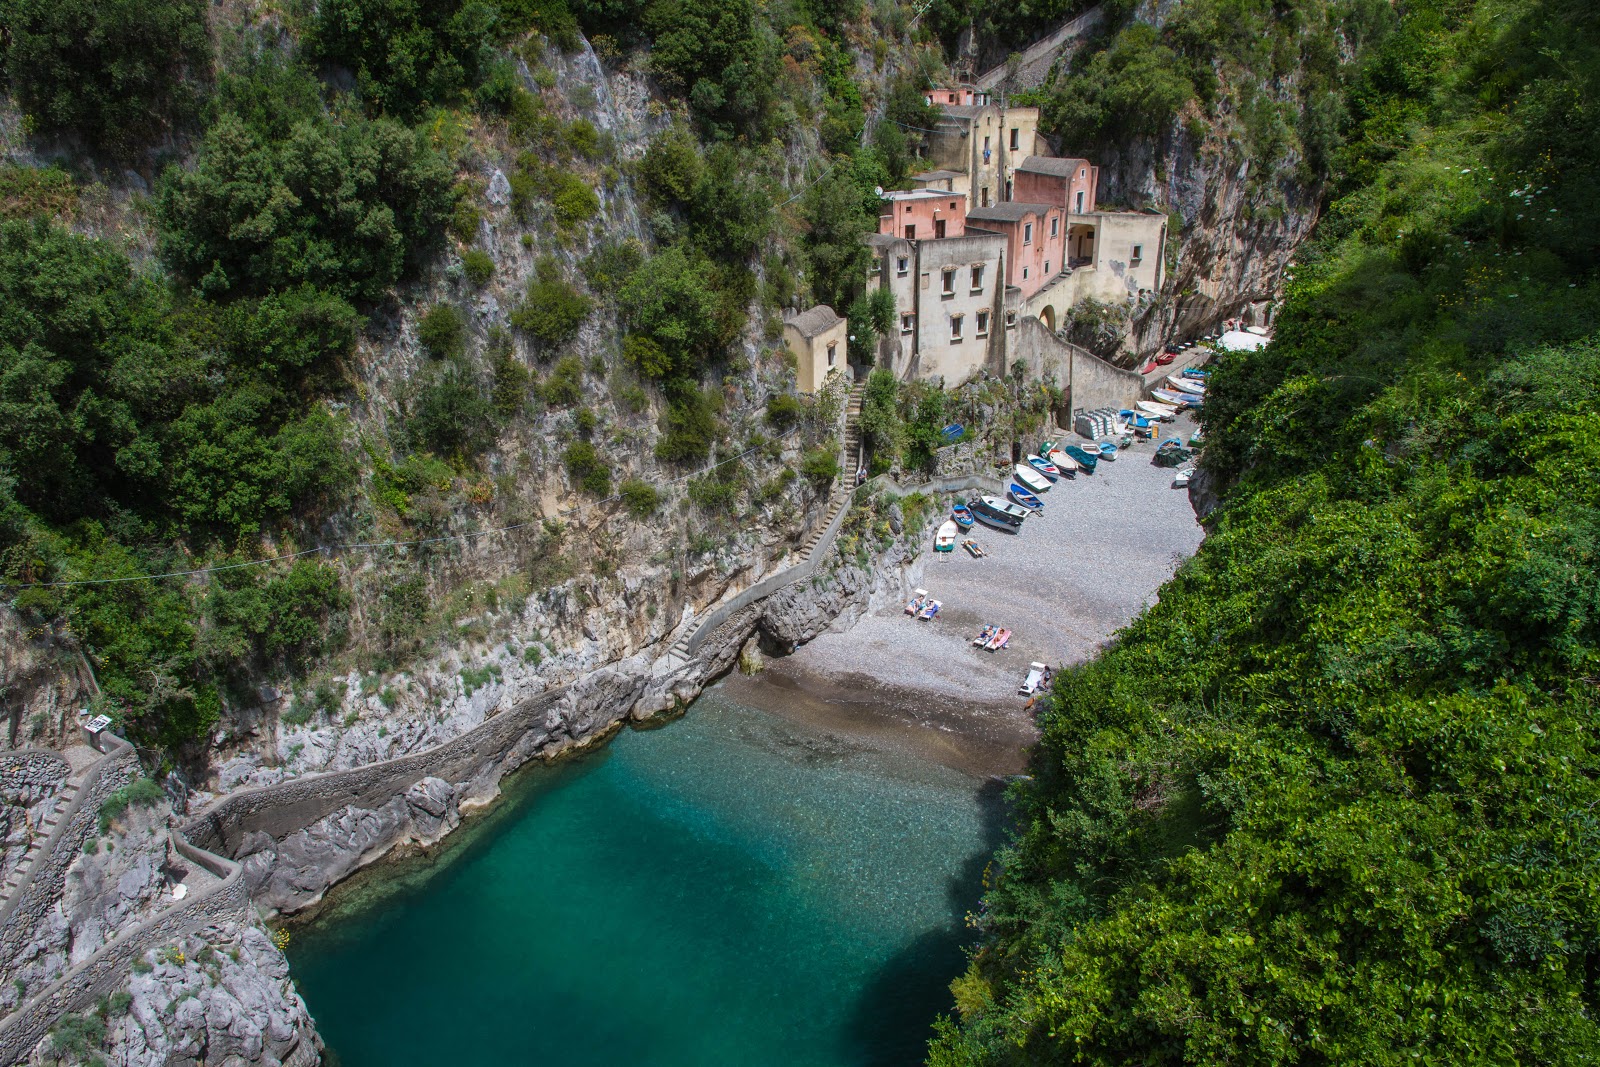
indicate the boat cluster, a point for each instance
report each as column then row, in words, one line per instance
column 1184, row 390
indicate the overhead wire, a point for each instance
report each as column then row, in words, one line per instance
column 357, row 546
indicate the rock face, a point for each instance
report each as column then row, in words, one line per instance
column 219, row 998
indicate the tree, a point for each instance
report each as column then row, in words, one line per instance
column 552, row 309
column 403, row 54
column 837, row 222
column 117, row 73
column 669, row 301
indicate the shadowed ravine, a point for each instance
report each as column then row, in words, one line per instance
column 734, row 888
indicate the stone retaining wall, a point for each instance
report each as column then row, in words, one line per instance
column 29, row 782
column 41, row 885
column 108, row 969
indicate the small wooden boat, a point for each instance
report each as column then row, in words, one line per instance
column 1108, row 450
column 984, row 635
column 1173, row 397
column 999, row 640
column 962, row 515
column 1149, row 368
column 1165, row 359
column 1001, row 514
column 973, row 549
column 929, row 610
column 945, row 539
column 1082, row 457
column 1031, row 479
column 1043, row 466
column 917, row 602
column 1025, row 498
column 1187, row 385
column 1064, row 463
column 1034, row 681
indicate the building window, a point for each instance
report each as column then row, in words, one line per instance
column 983, row 324
column 985, row 196
column 908, row 323
column 908, row 209
column 1024, row 273
column 1138, row 254
column 955, row 327
column 986, row 146
column 1047, row 266
column 1081, row 173
column 1055, row 225
column 1027, row 233
column 833, row 347
column 977, row 279
column 911, row 232
column 1011, row 320
column 1080, row 202
column 949, row 281
column 902, row 265
column 952, row 98
column 1014, row 138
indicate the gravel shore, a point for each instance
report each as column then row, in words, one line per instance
column 1063, row 586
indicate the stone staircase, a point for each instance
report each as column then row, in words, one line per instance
column 41, row 840
column 844, row 488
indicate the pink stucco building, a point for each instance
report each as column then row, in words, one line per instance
column 1036, row 241
column 922, row 214
column 1066, row 183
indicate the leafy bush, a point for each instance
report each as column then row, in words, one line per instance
column 575, row 202
column 564, row 387
column 820, row 466
column 478, row 266
column 784, row 410
column 450, row 413
column 690, row 423
column 587, row 469
column 29, row 191
column 142, row 792
column 641, row 498
column 443, row 331
column 552, row 309
column 404, row 55
column 119, row 75
column 349, row 206
column 670, row 301
column 511, row 382
column 608, row 266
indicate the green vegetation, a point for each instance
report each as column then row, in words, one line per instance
column 820, row 466
column 587, row 468
column 478, row 266
column 641, row 498
column 1330, row 801
column 404, row 55
column 552, row 309
column 117, row 74
column 443, row 332
column 142, row 792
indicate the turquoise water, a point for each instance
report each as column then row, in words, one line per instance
column 731, row 889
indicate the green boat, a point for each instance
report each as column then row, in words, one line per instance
column 1085, row 458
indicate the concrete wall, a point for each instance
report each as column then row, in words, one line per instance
column 1116, row 274
column 1090, row 382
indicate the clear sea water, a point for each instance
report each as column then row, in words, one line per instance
column 730, row 889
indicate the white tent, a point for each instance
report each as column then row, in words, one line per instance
column 1242, row 341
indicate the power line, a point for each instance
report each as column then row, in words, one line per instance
column 357, row 546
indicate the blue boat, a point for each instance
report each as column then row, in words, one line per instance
column 1085, row 458
column 1044, row 467
column 1021, row 495
column 1108, row 450
column 963, row 516
column 953, row 431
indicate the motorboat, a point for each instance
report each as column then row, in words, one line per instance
column 1187, row 385
column 1000, row 514
column 1025, row 498
column 1043, row 466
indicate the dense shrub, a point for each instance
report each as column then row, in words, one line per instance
column 552, row 309
column 820, row 467
column 715, row 54
column 443, row 331
column 405, row 55
column 641, row 498
column 784, row 410
column 347, row 206
column 478, row 266
column 117, row 73
column 587, row 469
column 564, row 387
column 671, row 302
column 689, row 424
column 450, row 413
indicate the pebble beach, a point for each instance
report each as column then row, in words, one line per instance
column 1063, row 585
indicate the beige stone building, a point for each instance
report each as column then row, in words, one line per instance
column 985, row 141
column 819, row 339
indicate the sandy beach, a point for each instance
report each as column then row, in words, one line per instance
column 1063, row 585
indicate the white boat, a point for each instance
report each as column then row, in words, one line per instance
column 1188, row 385
column 1034, row 681
column 945, row 539
column 1181, row 479
column 1064, row 463
column 1036, row 482
column 1164, row 412
column 1001, row 514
